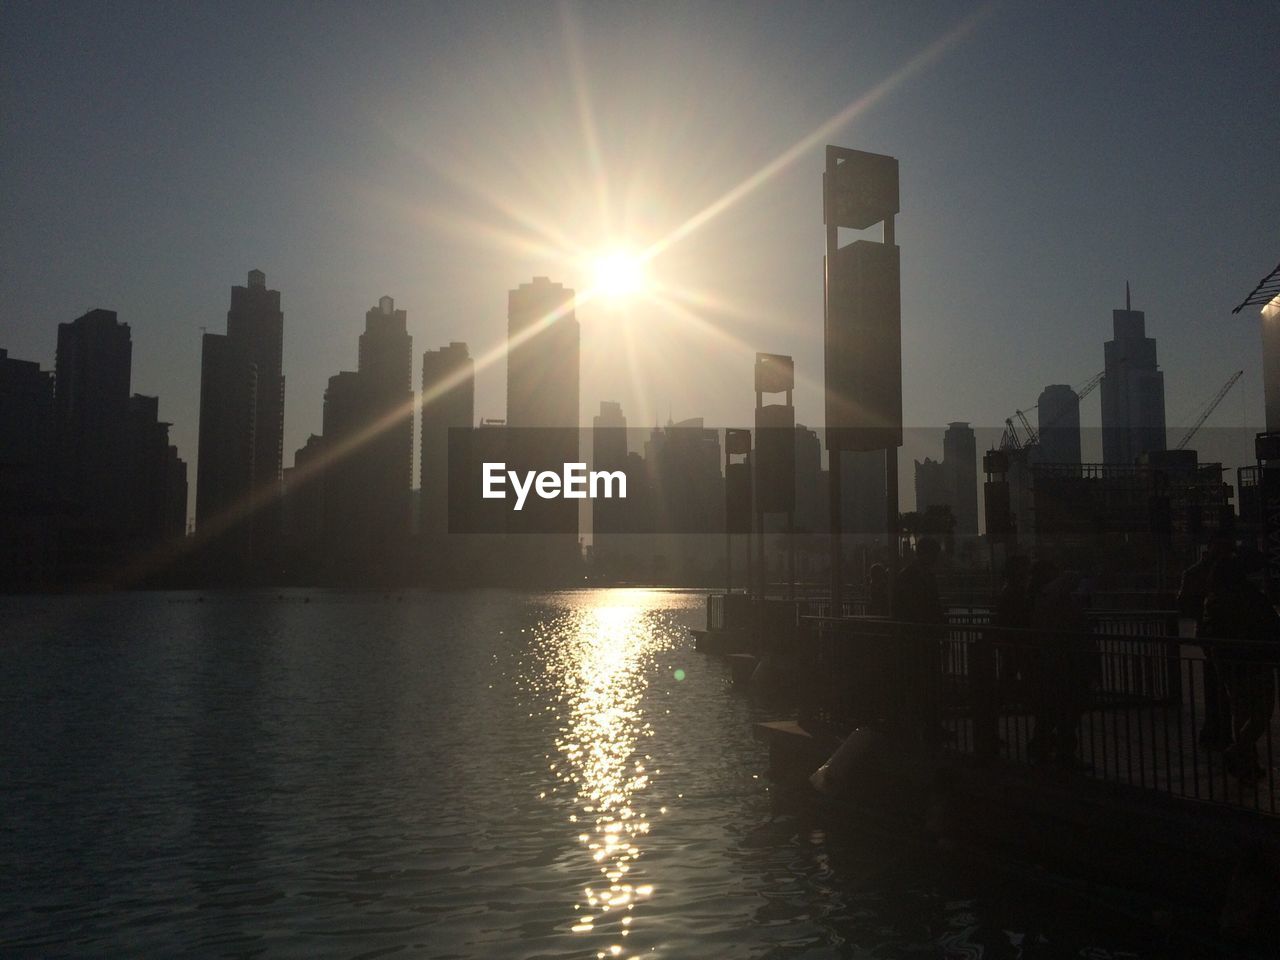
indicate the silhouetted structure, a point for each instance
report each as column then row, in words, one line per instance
column 810, row 482
column 1059, row 414
column 28, row 501
column 933, row 485
column 685, row 494
column 238, row 482
column 960, row 462
column 864, row 494
column 155, row 477
column 91, row 401
column 953, row 481
column 386, row 373
column 304, row 511
column 121, row 487
column 542, row 356
column 1132, row 390
column 1167, row 503
column 543, row 346
column 367, row 456
column 1266, row 296
column 862, row 332
column 609, row 518
column 448, row 402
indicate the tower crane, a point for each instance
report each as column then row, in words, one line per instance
column 1213, row 405
column 1012, row 441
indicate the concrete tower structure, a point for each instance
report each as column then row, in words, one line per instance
column 1059, row 428
column 542, row 356
column 386, row 375
column 1132, row 390
column 543, row 346
column 448, row 403
column 238, row 477
column 960, row 464
column 91, row 416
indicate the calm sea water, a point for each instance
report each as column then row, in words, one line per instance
column 473, row 775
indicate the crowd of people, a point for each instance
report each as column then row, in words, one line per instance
column 1045, row 656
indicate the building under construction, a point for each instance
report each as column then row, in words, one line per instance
column 1165, row 505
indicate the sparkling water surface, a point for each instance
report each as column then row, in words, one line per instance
column 447, row 775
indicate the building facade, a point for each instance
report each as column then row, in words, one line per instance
column 448, row 403
column 960, row 464
column 239, row 473
column 1058, row 410
column 1133, row 418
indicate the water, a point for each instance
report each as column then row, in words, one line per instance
column 482, row 774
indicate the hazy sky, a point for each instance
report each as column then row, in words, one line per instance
column 442, row 154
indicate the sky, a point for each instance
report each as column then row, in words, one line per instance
column 444, row 153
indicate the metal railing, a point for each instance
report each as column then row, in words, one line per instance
column 1145, row 710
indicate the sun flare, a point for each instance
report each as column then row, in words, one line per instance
column 619, row 274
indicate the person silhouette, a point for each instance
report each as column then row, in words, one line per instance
column 1237, row 610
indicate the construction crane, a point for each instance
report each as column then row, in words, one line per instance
column 1213, row 405
column 1010, row 440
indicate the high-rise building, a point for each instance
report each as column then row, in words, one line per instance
column 864, row 504
column 344, row 542
column 933, row 485
column 386, row 373
column 448, row 403
column 609, row 517
column 812, row 511
column 91, row 405
column 960, row 462
column 156, row 485
column 542, row 356
column 685, row 498
column 238, row 476
column 609, row 437
column 1058, row 410
column 28, row 500
column 304, row 510
column 543, row 345
column 368, row 454
column 952, row 481
column 1132, row 390
column 122, row 484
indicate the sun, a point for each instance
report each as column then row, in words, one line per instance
column 619, row 274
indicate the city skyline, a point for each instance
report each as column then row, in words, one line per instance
column 1023, row 214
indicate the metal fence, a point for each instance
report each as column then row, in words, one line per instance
column 1143, row 709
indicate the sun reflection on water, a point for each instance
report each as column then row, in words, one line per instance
column 601, row 668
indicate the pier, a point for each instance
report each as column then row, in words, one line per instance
column 934, row 726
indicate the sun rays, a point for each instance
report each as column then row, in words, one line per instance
column 612, row 252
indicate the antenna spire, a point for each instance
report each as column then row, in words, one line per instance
column 1127, row 304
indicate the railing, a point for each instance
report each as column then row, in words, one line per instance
column 1143, row 710
column 821, row 607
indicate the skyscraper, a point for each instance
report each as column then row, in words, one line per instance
column 543, row 392
column 1058, row 410
column 1132, row 390
column 156, row 484
column 123, row 486
column 960, row 463
column 933, row 488
column 91, row 410
column 344, row 541
column 864, row 503
column 609, row 437
column 448, row 402
column 238, row 477
column 542, row 356
column 27, row 498
column 386, row 374
column 368, row 443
